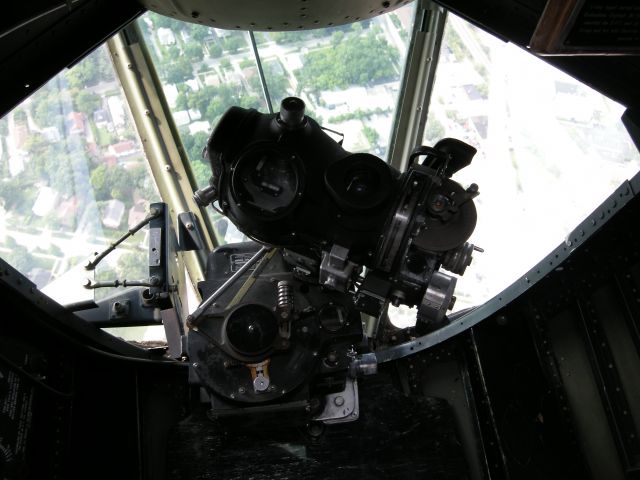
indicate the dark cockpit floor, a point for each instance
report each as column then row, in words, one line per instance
column 395, row 437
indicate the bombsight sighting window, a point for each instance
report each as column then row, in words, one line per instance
column 550, row 150
column 348, row 76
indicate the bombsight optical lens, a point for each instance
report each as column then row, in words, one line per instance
column 251, row 329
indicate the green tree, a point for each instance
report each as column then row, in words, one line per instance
column 225, row 63
column 193, row 51
column 178, row 71
column 233, row 42
column 20, row 116
column 199, row 32
column 434, row 131
column 111, row 182
column 194, row 144
column 87, row 102
column 357, row 60
column 48, row 110
column 181, row 101
column 93, row 69
column 172, row 52
column 201, row 172
column 4, row 126
column 277, row 82
column 132, row 266
column 21, row 259
column 215, row 50
column 161, row 21
column 371, row 134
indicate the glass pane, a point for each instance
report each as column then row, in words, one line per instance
column 550, row 150
column 349, row 76
column 73, row 179
column 203, row 71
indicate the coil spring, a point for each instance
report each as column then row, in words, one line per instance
column 285, row 295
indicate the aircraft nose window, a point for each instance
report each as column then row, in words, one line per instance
column 74, row 176
column 348, row 77
column 550, row 150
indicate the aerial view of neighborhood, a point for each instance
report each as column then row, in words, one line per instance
column 73, row 174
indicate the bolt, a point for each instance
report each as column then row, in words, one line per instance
column 189, row 226
column 338, row 401
column 315, row 429
column 194, row 364
column 167, row 167
column 147, row 113
column 241, row 390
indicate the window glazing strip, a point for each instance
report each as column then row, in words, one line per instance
column 167, row 160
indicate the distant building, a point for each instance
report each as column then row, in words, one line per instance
column 221, row 33
column 20, row 135
column 110, row 160
column 137, row 213
column 181, row 118
column 171, row 94
column 193, row 84
column 123, row 149
column 116, row 110
column 166, row 36
column 184, row 117
column 346, row 97
column 52, row 134
column 113, row 212
column 67, row 210
column 201, row 126
column 212, row 79
column 75, row 123
column 45, row 202
column 101, row 119
column 39, row 276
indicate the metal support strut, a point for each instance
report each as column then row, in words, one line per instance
column 192, row 319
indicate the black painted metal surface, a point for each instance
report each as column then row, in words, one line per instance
column 397, row 436
column 561, row 362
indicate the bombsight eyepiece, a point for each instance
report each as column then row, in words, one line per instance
column 292, row 112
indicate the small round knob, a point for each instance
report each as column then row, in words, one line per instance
column 292, row 112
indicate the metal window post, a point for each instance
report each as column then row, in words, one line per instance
column 263, row 79
column 165, row 154
column 417, row 82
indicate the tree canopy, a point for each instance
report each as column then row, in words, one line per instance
column 352, row 59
